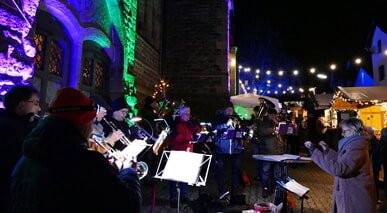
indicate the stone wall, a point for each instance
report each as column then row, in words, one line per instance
column 196, row 53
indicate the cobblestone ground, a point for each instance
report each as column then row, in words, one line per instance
column 309, row 175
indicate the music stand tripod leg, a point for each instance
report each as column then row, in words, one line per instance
column 178, row 196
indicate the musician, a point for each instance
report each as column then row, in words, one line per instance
column 58, row 173
column 182, row 135
column 148, row 113
column 98, row 130
column 270, row 144
column 116, row 121
column 21, row 103
column 227, row 148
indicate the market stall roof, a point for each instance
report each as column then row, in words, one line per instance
column 358, row 97
column 246, row 102
column 251, row 100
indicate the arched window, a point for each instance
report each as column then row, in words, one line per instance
column 95, row 69
column 51, row 63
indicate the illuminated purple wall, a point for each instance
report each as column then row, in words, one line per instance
column 16, row 49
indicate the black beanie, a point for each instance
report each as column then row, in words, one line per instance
column 119, row 103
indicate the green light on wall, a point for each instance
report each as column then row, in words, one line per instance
column 129, row 10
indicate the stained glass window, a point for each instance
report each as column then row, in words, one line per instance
column 40, row 43
column 55, row 63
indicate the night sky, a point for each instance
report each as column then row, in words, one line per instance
column 316, row 33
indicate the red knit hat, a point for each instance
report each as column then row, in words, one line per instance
column 73, row 105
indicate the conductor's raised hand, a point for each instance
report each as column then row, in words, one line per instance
column 323, row 145
column 308, row 144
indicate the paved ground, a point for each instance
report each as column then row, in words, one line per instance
column 309, row 175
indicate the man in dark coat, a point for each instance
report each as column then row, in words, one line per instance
column 57, row 172
column 21, row 104
column 270, row 145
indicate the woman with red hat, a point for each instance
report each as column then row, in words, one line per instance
column 57, row 172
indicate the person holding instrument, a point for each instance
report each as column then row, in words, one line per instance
column 116, row 122
column 57, row 172
column 181, row 138
column 98, row 131
column 21, row 103
column 227, row 149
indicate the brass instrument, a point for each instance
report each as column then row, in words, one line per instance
column 142, row 131
column 162, row 108
column 263, row 108
column 100, row 141
column 235, row 122
column 123, row 139
column 142, row 167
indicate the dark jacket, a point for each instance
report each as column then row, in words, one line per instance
column 222, row 144
column 57, row 173
column 13, row 129
column 270, row 143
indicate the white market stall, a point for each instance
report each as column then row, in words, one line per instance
column 245, row 103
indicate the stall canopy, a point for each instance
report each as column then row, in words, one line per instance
column 349, row 98
column 245, row 103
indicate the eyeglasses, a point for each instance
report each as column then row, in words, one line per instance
column 34, row 102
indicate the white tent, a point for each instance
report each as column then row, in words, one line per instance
column 245, row 103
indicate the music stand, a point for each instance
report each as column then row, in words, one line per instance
column 187, row 167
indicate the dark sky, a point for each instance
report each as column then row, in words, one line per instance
column 317, row 33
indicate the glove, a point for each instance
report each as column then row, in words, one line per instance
column 310, row 146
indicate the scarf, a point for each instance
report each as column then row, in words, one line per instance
column 343, row 142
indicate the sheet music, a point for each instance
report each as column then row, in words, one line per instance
column 135, row 147
column 295, row 187
column 183, row 167
column 279, row 158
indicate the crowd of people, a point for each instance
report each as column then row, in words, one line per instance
column 39, row 175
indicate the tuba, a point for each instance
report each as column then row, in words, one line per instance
column 264, row 106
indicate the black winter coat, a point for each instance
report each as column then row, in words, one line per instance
column 57, row 173
column 13, row 130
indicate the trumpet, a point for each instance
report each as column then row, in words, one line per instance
column 123, row 139
column 141, row 167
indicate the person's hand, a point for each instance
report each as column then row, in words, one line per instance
column 323, row 145
column 114, row 136
column 308, row 144
column 230, row 122
column 130, row 163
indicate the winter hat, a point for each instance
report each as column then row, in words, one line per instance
column 119, row 103
column 72, row 105
column 100, row 101
column 227, row 105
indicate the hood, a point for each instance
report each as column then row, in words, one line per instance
column 52, row 137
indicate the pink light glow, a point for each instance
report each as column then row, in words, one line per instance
column 17, row 65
